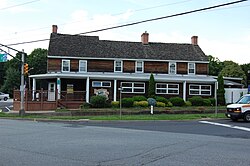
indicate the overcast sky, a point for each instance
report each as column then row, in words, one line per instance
column 222, row 32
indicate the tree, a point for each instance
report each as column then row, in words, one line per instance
column 246, row 68
column 221, row 90
column 12, row 81
column 37, row 60
column 215, row 65
column 151, row 88
column 232, row 69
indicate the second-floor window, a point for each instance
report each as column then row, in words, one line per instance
column 118, row 66
column 172, row 68
column 65, row 65
column 139, row 67
column 191, row 68
column 82, row 66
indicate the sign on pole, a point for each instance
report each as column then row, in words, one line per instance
column 3, row 57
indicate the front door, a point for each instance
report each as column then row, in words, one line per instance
column 52, row 91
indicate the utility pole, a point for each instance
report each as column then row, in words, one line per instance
column 22, row 111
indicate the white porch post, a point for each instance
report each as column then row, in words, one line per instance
column 185, row 90
column 87, row 90
column 115, row 89
column 58, row 83
column 33, row 88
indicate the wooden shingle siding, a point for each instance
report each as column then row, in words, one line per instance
column 100, row 66
column 74, row 65
column 201, row 68
column 182, row 68
column 128, row 66
column 54, row 65
column 155, row 67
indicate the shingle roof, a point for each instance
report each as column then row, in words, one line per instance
column 91, row 46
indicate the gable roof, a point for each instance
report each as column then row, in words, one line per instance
column 91, row 46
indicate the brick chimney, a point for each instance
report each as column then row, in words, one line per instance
column 194, row 40
column 144, row 38
column 54, row 28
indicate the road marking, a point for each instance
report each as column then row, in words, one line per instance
column 226, row 125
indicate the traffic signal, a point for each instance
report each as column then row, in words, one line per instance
column 26, row 68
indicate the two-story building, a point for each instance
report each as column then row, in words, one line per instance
column 78, row 63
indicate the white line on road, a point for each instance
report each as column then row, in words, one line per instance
column 226, row 125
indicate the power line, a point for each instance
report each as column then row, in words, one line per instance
column 117, row 14
column 140, row 22
column 19, row 5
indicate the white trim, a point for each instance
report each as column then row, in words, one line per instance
column 169, row 67
column 65, row 60
column 136, row 65
column 86, row 66
column 115, row 66
column 185, row 90
column 191, row 63
column 87, row 90
column 123, row 59
column 200, row 90
column 101, row 84
column 167, row 88
column 58, row 85
column 33, row 88
column 133, row 87
column 115, row 89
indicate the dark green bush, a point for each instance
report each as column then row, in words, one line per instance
column 177, row 101
column 127, row 102
column 206, row 102
column 98, row 101
column 86, row 105
column 139, row 98
column 196, row 101
column 212, row 100
column 161, row 99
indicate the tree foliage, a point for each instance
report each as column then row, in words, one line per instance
column 215, row 65
column 246, row 68
column 36, row 60
column 221, row 90
column 232, row 69
column 151, row 88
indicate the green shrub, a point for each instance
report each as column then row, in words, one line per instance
column 188, row 103
column 139, row 98
column 196, row 101
column 151, row 101
column 169, row 104
column 212, row 100
column 98, row 101
column 127, row 102
column 161, row 99
column 85, row 105
column 177, row 101
column 115, row 104
column 160, row 104
column 206, row 102
column 140, row 104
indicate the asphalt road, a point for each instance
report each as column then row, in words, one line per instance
column 4, row 104
column 124, row 143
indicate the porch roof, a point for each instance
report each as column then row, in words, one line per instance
column 128, row 76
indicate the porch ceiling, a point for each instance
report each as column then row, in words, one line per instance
column 128, row 76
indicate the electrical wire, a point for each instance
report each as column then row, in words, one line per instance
column 19, row 5
column 139, row 22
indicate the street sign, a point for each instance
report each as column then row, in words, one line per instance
column 3, row 57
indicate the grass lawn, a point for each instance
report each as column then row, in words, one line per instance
column 117, row 117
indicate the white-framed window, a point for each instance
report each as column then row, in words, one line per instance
column 82, row 66
column 164, row 88
column 172, row 68
column 65, row 65
column 191, row 68
column 139, row 66
column 133, row 87
column 101, row 84
column 118, row 66
column 203, row 90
